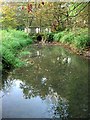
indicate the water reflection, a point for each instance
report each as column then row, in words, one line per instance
column 48, row 106
column 54, row 86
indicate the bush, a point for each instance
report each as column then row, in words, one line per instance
column 58, row 36
column 49, row 37
column 78, row 38
column 81, row 41
column 67, row 38
column 12, row 41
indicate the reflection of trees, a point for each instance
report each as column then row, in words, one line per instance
column 69, row 81
column 59, row 105
column 78, row 88
column 4, row 81
column 47, row 67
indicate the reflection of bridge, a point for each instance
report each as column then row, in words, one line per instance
column 37, row 29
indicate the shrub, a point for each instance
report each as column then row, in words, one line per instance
column 68, row 37
column 78, row 38
column 12, row 41
column 58, row 36
column 49, row 37
column 81, row 41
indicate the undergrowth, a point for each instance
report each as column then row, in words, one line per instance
column 12, row 42
column 78, row 39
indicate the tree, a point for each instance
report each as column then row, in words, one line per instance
column 8, row 17
column 58, row 15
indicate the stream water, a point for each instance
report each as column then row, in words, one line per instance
column 52, row 84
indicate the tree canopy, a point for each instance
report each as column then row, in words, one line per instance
column 58, row 15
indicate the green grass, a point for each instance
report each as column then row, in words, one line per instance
column 12, row 42
column 78, row 39
column 58, row 36
column 23, row 53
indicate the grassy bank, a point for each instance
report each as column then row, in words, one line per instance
column 12, row 42
column 77, row 39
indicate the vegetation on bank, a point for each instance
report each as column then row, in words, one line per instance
column 77, row 38
column 12, row 42
column 61, row 16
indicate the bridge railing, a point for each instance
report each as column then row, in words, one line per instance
column 37, row 29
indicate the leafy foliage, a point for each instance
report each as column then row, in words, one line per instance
column 57, row 15
column 12, row 41
column 49, row 37
column 58, row 36
column 79, row 39
column 8, row 19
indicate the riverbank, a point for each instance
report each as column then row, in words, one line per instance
column 12, row 42
column 75, row 40
column 85, row 53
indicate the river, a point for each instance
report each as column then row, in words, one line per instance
column 52, row 84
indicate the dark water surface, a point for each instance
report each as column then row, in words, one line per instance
column 52, row 84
